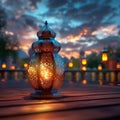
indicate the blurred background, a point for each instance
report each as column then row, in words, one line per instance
column 84, row 28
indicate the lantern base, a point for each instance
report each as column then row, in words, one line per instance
column 38, row 94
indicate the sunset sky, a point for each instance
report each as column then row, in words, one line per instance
column 86, row 25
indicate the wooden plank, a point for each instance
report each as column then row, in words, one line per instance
column 41, row 108
column 94, row 102
column 84, row 114
column 67, row 98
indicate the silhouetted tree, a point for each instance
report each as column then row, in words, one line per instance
column 118, row 53
column 8, row 43
column 3, row 17
column 93, row 60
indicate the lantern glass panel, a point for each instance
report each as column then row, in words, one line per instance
column 70, row 64
column 104, row 57
column 84, row 61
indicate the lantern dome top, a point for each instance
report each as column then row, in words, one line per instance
column 46, row 32
column 105, row 50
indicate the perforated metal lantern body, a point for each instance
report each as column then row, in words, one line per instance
column 46, row 68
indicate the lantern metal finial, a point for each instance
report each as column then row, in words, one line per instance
column 46, row 32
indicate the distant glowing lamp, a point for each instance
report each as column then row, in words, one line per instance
column 118, row 66
column 84, row 61
column 99, row 67
column 46, row 68
column 104, row 55
column 12, row 67
column 4, row 66
column 70, row 64
column 25, row 65
column 84, row 82
column 3, row 80
column 84, row 68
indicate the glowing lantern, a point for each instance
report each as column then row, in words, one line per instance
column 70, row 64
column 84, row 82
column 99, row 67
column 25, row 65
column 84, row 68
column 46, row 68
column 12, row 67
column 104, row 55
column 118, row 66
column 3, row 80
column 84, row 61
column 4, row 66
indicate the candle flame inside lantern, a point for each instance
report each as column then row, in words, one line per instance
column 46, row 71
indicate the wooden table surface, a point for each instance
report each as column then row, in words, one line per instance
column 78, row 102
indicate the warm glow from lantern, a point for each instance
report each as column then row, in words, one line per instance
column 70, row 64
column 3, row 80
column 32, row 72
column 104, row 57
column 84, row 68
column 4, row 66
column 12, row 67
column 25, row 65
column 46, row 72
column 84, row 82
column 84, row 61
column 118, row 66
column 99, row 67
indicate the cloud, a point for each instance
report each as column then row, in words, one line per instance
column 56, row 4
column 112, row 41
column 78, row 23
column 91, row 15
column 3, row 16
column 33, row 3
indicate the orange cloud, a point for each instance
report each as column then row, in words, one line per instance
column 71, row 54
column 9, row 33
column 106, row 31
column 77, row 37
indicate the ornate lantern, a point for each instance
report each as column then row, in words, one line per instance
column 70, row 64
column 99, row 67
column 25, row 65
column 118, row 66
column 4, row 66
column 84, row 68
column 46, row 68
column 104, row 55
column 84, row 60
